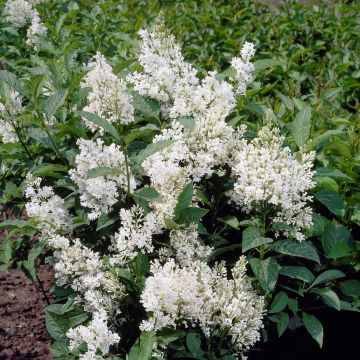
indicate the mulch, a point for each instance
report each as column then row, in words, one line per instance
column 22, row 325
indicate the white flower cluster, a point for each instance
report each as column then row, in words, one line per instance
column 243, row 67
column 96, row 335
column 198, row 149
column 47, row 208
column 187, row 246
column 134, row 235
column 102, row 192
column 21, row 13
column 201, row 295
column 11, row 107
column 267, row 174
column 182, row 290
column 108, row 97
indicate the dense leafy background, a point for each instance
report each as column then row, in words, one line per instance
column 307, row 71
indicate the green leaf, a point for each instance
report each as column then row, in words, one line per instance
column 266, row 272
column 282, row 323
column 224, row 249
column 328, row 275
column 314, row 327
column 184, row 199
column 6, row 250
column 29, row 265
column 323, row 137
column 35, row 85
column 103, row 171
column 293, row 305
column 191, row 215
column 332, row 201
column 104, row 221
column 267, row 63
column 153, row 148
column 294, row 248
column 58, row 324
column 49, row 170
column 97, row 120
column 147, row 341
column 336, row 173
column 142, row 133
column 187, row 122
column 231, row 221
column 145, row 105
column 336, row 240
column 16, row 224
column 330, row 298
column 53, row 102
column 297, row 272
column 147, row 193
column 193, row 343
column 251, row 238
column 301, row 126
column 10, row 79
column 134, row 352
column 279, row 303
column 350, row 288
column 248, row 236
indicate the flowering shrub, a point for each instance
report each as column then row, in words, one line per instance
column 176, row 226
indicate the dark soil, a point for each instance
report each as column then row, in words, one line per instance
column 22, row 325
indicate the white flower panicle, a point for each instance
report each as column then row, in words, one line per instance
column 166, row 75
column 83, row 269
column 266, row 173
column 197, row 294
column 18, row 12
column 96, row 335
column 243, row 67
column 11, row 107
column 187, row 246
column 35, row 30
column 21, row 13
column 7, row 132
column 100, row 193
column 47, row 208
column 108, row 97
column 135, row 234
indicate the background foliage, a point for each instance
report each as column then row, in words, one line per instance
column 307, row 71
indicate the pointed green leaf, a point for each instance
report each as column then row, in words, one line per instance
column 153, row 148
column 13, row 82
column 329, row 297
column 99, row 121
column 279, row 303
column 328, row 275
column 53, row 102
column 336, row 240
column 103, row 171
column 294, row 248
column 314, row 327
column 251, row 238
column 266, row 272
column 35, row 85
column 301, row 126
column 297, row 272
column 147, row 193
column 184, row 199
column 147, row 341
column 332, row 201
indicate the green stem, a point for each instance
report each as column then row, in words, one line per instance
column 19, row 135
column 46, row 128
column 22, row 142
